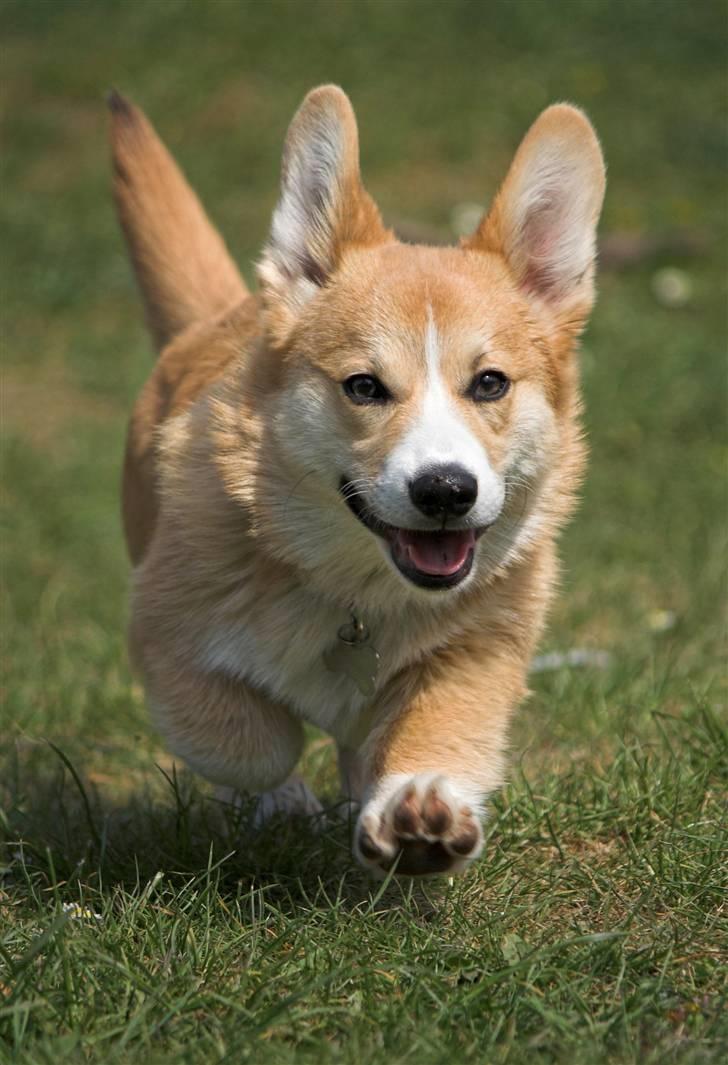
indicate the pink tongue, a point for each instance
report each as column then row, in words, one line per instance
column 440, row 554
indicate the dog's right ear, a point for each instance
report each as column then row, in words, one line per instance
column 323, row 206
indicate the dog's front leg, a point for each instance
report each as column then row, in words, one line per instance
column 230, row 733
column 436, row 755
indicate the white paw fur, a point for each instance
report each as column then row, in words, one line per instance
column 424, row 822
column 292, row 798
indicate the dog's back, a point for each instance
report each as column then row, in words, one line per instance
column 198, row 307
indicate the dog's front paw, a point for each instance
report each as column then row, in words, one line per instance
column 421, row 823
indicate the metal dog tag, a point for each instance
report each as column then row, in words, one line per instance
column 354, row 656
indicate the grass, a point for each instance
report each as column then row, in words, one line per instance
column 594, row 929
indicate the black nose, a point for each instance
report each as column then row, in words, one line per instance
column 446, row 491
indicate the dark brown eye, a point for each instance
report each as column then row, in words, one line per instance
column 364, row 388
column 489, row 385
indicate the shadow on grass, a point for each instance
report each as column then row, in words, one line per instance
column 63, row 833
column 65, row 837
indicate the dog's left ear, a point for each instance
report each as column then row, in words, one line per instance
column 323, row 206
column 543, row 221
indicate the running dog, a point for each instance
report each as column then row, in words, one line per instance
column 342, row 493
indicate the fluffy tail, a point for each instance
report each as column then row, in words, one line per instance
column 184, row 270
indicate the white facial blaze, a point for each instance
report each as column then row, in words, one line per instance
column 438, row 437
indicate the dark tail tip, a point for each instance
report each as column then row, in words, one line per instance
column 119, row 105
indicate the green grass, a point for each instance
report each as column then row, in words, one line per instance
column 594, row 928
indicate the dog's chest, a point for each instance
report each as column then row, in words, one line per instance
column 291, row 649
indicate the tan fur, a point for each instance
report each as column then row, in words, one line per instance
column 247, row 559
column 184, row 270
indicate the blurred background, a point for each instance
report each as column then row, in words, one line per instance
column 443, row 93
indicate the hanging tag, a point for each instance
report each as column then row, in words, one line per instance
column 359, row 662
column 354, row 657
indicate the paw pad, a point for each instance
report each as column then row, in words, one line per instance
column 419, row 825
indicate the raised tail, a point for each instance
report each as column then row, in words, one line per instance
column 184, row 270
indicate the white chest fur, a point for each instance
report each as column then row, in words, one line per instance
column 280, row 647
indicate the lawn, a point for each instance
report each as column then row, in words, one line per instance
column 139, row 922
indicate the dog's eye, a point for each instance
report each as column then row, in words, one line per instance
column 364, row 388
column 489, row 385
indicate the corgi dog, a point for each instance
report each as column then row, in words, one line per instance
column 341, row 494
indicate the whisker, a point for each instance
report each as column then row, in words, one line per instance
column 296, row 486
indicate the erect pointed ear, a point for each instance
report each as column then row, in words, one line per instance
column 323, row 206
column 544, row 218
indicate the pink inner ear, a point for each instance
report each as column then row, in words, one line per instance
column 540, row 239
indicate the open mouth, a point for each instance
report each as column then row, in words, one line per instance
column 438, row 558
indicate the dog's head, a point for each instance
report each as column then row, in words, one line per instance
column 425, row 412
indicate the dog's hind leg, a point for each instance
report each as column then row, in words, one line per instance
column 352, row 773
column 292, row 798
